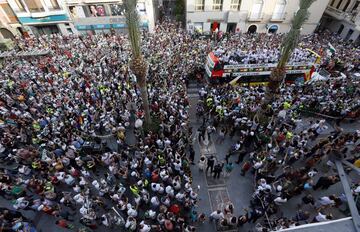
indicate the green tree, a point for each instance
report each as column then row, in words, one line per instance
column 179, row 10
column 291, row 40
column 138, row 64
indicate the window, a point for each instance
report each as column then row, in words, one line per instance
column 217, row 5
column 279, row 10
column 117, row 9
column 198, row 27
column 141, row 8
column 341, row 28
column 235, row 4
column 338, row 5
column 52, row 4
column 355, row 6
column 73, row 12
column 346, row 5
column 273, row 29
column 20, row 6
column 97, row 10
column 9, row 13
column 256, row 9
column 350, row 32
column 34, row 5
column 199, row 5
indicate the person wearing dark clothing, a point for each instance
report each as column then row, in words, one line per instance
column 250, row 141
column 243, row 218
column 301, row 216
column 255, row 215
column 217, row 170
column 210, row 164
column 325, row 182
column 241, row 157
column 308, row 199
column 202, row 131
column 191, row 154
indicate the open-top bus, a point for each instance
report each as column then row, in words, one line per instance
column 253, row 74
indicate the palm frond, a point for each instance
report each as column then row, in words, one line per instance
column 133, row 22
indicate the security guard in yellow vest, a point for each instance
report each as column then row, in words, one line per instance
column 135, row 190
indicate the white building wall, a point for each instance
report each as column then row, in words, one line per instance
column 336, row 16
column 83, row 20
column 241, row 17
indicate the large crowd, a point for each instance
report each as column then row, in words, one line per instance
column 74, row 146
column 265, row 48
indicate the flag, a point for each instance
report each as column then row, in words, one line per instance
column 331, row 49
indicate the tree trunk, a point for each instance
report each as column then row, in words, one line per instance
column 278, row 74
column 145, row 100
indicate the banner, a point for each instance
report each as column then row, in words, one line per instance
column 272, row 65
column 262, row 73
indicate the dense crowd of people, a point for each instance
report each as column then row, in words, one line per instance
column 57, row 110
column 62, row 113
column 265, row 48
column 287, row 155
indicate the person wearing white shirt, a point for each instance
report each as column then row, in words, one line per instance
column 321, row 217
column 169, row 191
column 216, row 215
column 69, row 180
column 326, row 201
column 79, row 198
column 131, row 211
column 155, row 201
column 144, row 227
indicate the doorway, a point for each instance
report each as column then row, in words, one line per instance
column 215, row 26
column 341, row 28
column 348, row 35
column 6, row 33
column 273, row 29
column 252, row 29
column 231, row 27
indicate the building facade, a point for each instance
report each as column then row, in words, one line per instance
column 40, row 17
column 98, row 16
column 343, row 18
column 9, row 24
column 270, row 16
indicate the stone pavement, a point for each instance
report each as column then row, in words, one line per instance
column 239, row 189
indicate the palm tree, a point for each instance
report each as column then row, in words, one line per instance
column 138, row 64
column 290, row 42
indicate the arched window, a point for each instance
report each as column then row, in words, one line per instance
column 252, row 29
column 346, row 5
column 279, row 10
column 257, row 9
column 273, row 29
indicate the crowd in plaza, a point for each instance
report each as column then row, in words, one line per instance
column 285, row 157
column 61, row 114
column 289, row 156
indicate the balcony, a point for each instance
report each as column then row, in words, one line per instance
column 255, row 17
column 336, row 13
column 278, row 17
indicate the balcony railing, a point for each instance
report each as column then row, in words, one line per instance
column 255, row 17
column 339, row 14
column 278, row 17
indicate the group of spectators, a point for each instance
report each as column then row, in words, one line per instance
column 290, row 155
column 262, row 48
column 73, row 142
column 74, row 145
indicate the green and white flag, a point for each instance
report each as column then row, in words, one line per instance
column 331, row 49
